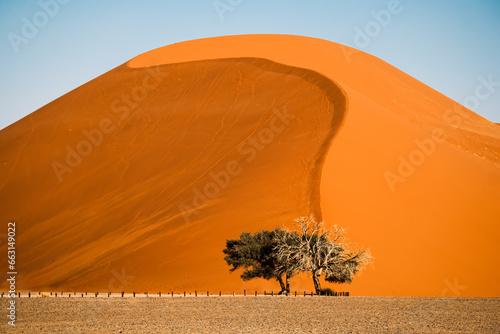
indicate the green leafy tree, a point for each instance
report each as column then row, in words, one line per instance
column 255, row 253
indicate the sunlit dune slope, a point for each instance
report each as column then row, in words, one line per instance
column 134, row 180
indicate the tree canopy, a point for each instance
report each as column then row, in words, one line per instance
column 320, row 251
column 255, row 253
column 282, row 253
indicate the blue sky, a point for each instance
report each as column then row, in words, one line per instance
column 449, row 45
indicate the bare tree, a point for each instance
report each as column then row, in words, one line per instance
column 320, row 251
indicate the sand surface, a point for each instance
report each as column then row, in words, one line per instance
column 188, row 145
column 256, row 315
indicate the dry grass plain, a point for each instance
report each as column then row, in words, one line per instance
column 255, row 315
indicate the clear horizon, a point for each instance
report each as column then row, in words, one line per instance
column 50, row 47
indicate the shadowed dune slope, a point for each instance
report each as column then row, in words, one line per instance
column 134, row 180
column 153, row 186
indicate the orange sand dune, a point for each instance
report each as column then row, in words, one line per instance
column 134, row 180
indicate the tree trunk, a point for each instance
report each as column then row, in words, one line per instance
column 317, row 284
column 283, row 287
column 287, row 284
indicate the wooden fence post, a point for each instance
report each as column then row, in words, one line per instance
column 195, row 293
column 255, row 293
column 233, row 293
column 244, row 293
column 220, row 293
column 208, row 294
column 184, row 293
column 272, row 293
column 133, row 292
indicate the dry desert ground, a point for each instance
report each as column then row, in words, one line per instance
column 256, row 315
